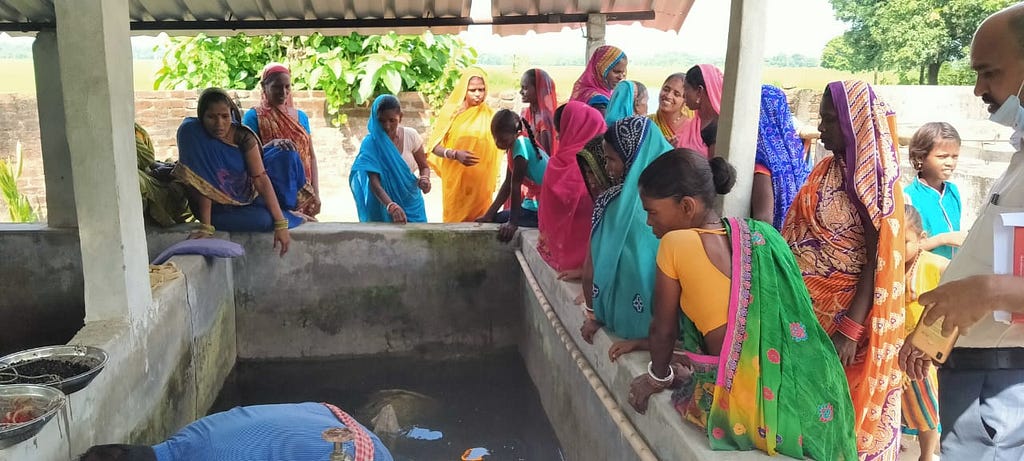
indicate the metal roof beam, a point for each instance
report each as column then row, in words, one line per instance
column 287, row 24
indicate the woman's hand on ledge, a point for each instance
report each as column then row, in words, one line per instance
column 589, row 328
column 640, row 392
column 282, row 238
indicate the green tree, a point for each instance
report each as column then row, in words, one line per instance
column 910, row 36
column 349, row 69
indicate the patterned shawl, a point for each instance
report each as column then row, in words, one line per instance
column 592, row 86
column 781, row 150
column 825, row 230
column 623, row 247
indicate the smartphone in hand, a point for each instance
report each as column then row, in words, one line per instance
column 929, row 339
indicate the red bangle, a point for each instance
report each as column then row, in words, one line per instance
column 852, row 330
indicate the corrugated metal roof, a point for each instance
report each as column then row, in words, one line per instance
column 341, row 16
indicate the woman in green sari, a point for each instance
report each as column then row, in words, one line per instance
column 758, row 370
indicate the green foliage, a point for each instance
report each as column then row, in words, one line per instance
column 349, row 69
column 18, row 206
column 791, row 60
column 914, row 37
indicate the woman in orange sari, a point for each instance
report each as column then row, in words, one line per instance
column 276, row 119
column 465, row 156
column 845, row 228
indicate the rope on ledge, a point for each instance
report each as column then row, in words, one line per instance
column 643, row 450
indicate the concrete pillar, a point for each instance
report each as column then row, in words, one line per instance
column 99, row 107
column 595, row 33
column 741, row 100
column 60, row 190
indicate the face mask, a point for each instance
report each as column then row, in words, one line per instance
column 1011, row 114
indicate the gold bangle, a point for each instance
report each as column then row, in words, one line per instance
column 206, row 229
column 281, row 224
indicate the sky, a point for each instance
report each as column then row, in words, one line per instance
column 794, row 27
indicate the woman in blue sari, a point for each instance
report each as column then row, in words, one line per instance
column 383, row 185
column 779, row 169
column 622, row 247
column 234, row 184
column 629, row 98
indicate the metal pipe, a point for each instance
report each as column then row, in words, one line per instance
column 629, row 432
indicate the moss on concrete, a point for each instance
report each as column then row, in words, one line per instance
column 348, row 304
column 174, row 408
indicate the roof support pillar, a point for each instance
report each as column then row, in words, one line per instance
column 595, row 33
column 60, row 190
column 95, row 60
column 741, row 101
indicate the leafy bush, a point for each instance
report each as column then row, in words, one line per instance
column 349, row 69
column 18, row 205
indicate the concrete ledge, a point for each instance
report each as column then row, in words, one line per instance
column 666, row 433
column 353, row 289
column 161, row 374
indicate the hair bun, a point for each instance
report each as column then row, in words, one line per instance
column 723, row 174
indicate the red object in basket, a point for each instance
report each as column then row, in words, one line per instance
column 21, row 415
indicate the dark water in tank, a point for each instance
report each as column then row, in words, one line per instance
column 486, row 401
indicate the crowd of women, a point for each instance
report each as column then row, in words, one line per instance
column 778, row 333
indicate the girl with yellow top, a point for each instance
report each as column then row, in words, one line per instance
column 762, row 372
column 921, row 396
column 465, row 156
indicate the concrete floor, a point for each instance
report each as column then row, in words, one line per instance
column 911, row 450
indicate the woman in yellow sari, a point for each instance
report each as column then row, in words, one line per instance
column 465, row 155
column 846, row 229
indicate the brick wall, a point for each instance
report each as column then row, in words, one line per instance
column 160, row 113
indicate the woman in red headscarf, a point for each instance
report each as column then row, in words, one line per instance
column 702, row 93
column 278, row 122
column 537, row 90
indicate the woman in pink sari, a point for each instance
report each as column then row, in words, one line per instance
column 565, row 208
column 702, row 92
column 605, row 69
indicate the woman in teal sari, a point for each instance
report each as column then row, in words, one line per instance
column 622, row 247
column 628, row 99
column 758, row 371
column 382, row 184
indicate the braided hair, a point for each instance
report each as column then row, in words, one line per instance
column 506, row 121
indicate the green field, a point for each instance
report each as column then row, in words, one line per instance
column 16, row 76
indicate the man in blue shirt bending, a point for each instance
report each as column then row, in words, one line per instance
column 282, row 432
